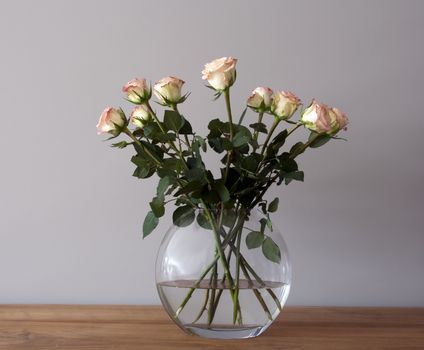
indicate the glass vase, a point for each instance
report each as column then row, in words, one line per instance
column 223, row 274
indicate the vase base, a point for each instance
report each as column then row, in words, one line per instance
column 224, row 332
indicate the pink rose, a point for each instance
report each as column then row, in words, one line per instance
column 220, row 73
column 111, row 121
column 137, row 90
column 140, row 115
column 260, row 99
column 284, row 104
column 317, row 118
column 168, row 90
column 340, row 118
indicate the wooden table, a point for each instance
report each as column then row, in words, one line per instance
column 148, row 327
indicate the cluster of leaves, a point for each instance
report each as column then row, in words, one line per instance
column 171, row 149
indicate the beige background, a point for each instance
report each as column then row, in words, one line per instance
column 71, row 214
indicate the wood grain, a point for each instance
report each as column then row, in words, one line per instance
column 47, row 327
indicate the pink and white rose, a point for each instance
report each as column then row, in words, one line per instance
column 220, row 73
column 284, row 104
column 168, row 90
column 137, row 90
column 339, row 120
column 111, row 121
column 140, row 115
column 260, row 99
column 320, row 118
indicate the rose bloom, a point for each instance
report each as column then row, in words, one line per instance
column 110, row 121
column 137, row 90
column 168, row 89
column 140, row 115
column 260, row 99
column 284, row 104
column 317, row 118
column 220, row 73
column 339, row 120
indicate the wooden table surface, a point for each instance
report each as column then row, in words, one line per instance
column 148, row 327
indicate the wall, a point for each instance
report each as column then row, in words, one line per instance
column 70, row 228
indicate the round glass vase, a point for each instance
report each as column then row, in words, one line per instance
column 223, row 275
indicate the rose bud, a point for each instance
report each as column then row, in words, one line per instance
column 168, row 90
column 338, row 120
column 137, row 90
column 140, row 115
column 317, row 118
column 284, row 104
column 260, row 100
column 111, row 121
column 220, row 73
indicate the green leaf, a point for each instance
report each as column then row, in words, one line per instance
column 287, row 164
column 271, row 250
column 318, row 139
column 216, row 128
column 151, row 130
column 186, row 129
column 150, row 223
column 273, row 206
column 251, row 162
column 143, row 173
column 183, row 216
column 173, row 164
column 276, row 144
column 223, row 193
column 201, row 141
column 297, row 149
column 158, row 207
column 163, row 185
column 121, row 144
column 254, row 239
column 195, row 174
column 240, row 139
column 190, row 187
column 170, row 136
column 279, row 140
column 259, row 127
column 295, row 175
column 144, row 168
column 229, row 218
column 203, row 221
column 173, row 120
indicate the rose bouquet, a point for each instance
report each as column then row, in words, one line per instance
column 253, row 159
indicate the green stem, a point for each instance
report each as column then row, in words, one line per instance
column 214, row 276
column 229, row 113
column 271, row 131
column 218, row 244
column 202, row 310
column 230, row 120
column 171, row 143
column 256, row 133
column 236, row 292
column 293, row 129
column 130, row 134
column 257, row 293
